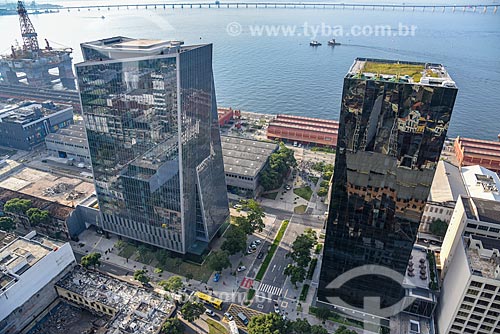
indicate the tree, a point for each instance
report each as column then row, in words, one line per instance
column 37, row 216
column 296, row 273
column 172, row 326
column 236, row 240
column 189, row 276
column 7, row 224
column 219, row 260
column 322, row 191
column 267, row 324
column 322, row 313
column 140, row 275
column 301, row 248
column 17, row 205
column 344, row 330
column 317, row 329
column 438, row 227
column 192, row 311
column 92, row 259
column 244, row 224
column 173, row 283
column 299, row 326
column 279, row 164
column 255, row 214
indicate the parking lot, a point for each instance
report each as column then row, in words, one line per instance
column 234, row 309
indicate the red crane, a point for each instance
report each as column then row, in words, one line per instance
column 28, row 32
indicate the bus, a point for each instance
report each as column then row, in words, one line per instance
column 212, row 301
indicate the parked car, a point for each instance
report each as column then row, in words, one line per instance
column 241, row 268
column 243, row 318
column 256, row 242
column 276, row 308
column 228, row 316
column 261, row 255
column 216, row 277
column 210, row 313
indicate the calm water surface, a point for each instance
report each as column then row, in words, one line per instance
column 283, row 74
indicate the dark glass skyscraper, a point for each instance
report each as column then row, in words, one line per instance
column 151, row 118
column 393, row 122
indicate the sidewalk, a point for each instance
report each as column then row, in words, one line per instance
column 99, row 243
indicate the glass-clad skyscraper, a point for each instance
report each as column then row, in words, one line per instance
column 393, row 122
column 151, row 118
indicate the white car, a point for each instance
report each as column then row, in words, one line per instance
column 228, row 316
column 210, row 313
column 241, row 268
column 276, row 309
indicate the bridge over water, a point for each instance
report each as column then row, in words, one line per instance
column 474, row 8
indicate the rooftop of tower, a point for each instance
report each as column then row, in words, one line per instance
column 120, row 47
column 400, row 71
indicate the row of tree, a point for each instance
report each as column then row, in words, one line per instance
column 19, row 206
column 236, row 236
column 278, row 167
column 300, row 253
column 275, row 324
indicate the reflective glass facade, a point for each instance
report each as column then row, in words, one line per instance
column 390, row 139
column 155, row 145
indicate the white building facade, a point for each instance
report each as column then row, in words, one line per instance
column 29, row 268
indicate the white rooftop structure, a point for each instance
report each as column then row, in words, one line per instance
column 481, row 182
column 447, row 184
column 27, row 265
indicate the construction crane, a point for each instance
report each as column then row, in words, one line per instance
column 30, row 37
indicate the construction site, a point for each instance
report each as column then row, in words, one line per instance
column 109, row 305
column 32, row 65
column 64, row 190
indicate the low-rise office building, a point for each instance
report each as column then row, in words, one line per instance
column 481, row 182
column 470, row 295
column 26, row 125
column 69, row 143
column 244, row 159
column 471, row 217
column 29, row 268
column 447, row 186
column 129, row 308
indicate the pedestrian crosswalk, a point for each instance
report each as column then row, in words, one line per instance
column 272, row 290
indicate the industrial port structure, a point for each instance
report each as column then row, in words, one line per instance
column 31, row 63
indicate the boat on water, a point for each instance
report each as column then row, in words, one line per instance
column 333, row 42
column 315, row 43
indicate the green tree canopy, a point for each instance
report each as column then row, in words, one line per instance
column 438, row 227
column 92, row 259
column 255, row 214
column 344, row 330
column 236, row 240
column 302, row 246
column 140, row 275
column 37, row 216
column 218, row 260
column 297, row 274
column 192, row 311
column 323, row 313
column 279, row 164
column 172, row 326
column 173, row 283
column 17, row 205
column 267, row 324
column 7, row 224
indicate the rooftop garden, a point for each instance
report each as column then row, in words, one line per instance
column 413, row 71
